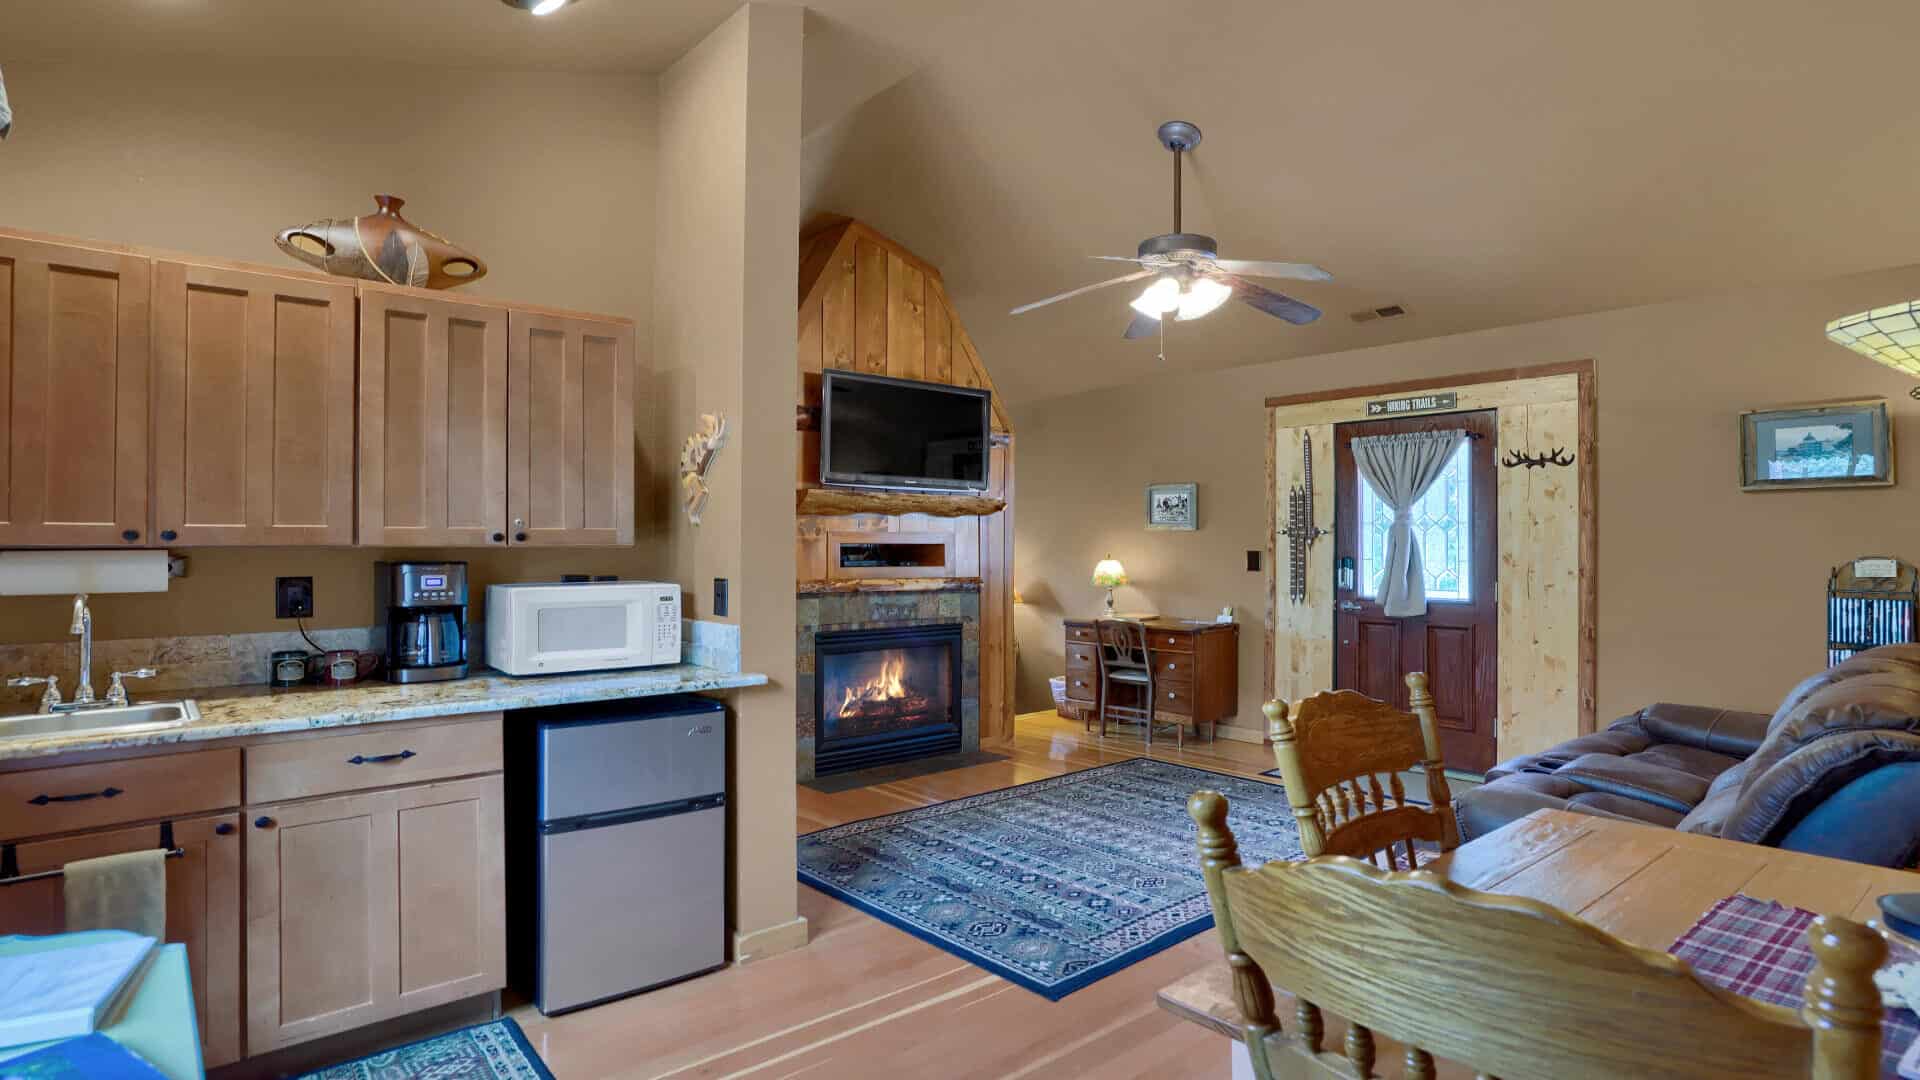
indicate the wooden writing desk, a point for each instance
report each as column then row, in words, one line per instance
column 1642, row 884
column 1196, row 669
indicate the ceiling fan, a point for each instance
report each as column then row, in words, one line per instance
column 1190, row 279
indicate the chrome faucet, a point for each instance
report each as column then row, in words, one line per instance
column 83, row 626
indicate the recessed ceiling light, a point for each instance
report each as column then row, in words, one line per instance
column 537, row 7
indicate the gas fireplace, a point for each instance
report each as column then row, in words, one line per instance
column 886, row 695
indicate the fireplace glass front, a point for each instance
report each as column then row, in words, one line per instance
column 886, row 695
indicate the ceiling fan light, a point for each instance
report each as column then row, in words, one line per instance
column 1202, row 297
column 537, row 7
column 1158, row 298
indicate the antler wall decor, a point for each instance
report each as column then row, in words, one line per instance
column 1300, row 532
column 696, row 456
column 1515, row 459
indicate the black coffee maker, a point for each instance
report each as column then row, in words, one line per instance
column 422, row 613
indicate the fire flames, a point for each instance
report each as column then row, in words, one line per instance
column 883, row 689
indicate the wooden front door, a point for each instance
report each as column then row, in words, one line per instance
column 1456, row 642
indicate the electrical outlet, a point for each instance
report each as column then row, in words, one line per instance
column 719, row 597
column 293, row 598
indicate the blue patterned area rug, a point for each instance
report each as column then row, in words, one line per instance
column 1054, row 884
column 495, row 1051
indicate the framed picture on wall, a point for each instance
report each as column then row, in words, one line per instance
column 1173, row 506
column 1829, row 444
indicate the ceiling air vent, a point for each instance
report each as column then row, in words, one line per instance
column 1390, row 311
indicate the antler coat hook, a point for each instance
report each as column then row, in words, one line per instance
column 1515, row 459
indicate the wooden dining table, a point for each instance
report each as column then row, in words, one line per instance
column 1643, row 884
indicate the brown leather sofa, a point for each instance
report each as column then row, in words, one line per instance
column 1834, row 771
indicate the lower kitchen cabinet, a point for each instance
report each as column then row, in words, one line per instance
column 364, row 907
column 203, row 908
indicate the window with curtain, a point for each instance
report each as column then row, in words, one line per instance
column 1442, row 523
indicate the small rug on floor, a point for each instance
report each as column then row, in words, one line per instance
column 835, row 783
column 1054, row 884
column 493, row 1051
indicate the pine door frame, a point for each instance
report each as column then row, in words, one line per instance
column 1304, row 631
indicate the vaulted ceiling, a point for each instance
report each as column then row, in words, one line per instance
column 1480, row 162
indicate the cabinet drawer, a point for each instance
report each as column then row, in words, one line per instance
column 373, row 757
column 1082, row 656
column 1173, row 668
column 1081, row 685
column 1080, row 633
column 1174, row 699
column 75, row 797
column 1170, row 641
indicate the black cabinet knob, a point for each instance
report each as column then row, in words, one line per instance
column 169, row 535
column 499, row 538
column 263, row 823
column 130, row 535
column 519, row 538
column 225, row 828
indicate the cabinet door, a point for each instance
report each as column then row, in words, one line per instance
column 322, row 878
column 366, row 907
column 433, row 421
column 203, row 909
column 74, row 364
column 452, row 917
column 253, row 407
column 570, row 434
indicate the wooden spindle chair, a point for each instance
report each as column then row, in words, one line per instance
column 1341, row 756
column 1504, row 985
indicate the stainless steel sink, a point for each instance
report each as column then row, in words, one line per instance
column 148, row 716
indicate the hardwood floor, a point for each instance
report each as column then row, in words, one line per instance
column 864, row 999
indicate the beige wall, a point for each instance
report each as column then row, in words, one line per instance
column 724, row 327
column 1707, row 594
column 548, row 177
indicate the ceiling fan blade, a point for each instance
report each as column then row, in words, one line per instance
column 1264, row 299
column 1116, row 258
column 1141, row 326
column 1292, row 271
column 1071, row 293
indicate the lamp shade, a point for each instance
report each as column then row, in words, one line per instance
column 1889, row 335
column 1109, row 574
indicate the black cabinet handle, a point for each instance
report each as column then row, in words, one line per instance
column 169, row 535
column 376, row 759
column 130, row 535
column 225, row 828
column 263, row 823
column 499, row 538
column 42, row 800
column 519, row 538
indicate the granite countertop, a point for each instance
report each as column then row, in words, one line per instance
column 227, row 712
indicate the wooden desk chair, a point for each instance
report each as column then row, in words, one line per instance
column 1125, row 661
column 1504, row 985
column 1333, row 754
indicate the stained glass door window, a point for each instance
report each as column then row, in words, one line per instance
column 1442, row 525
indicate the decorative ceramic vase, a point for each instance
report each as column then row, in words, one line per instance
column 382, row 246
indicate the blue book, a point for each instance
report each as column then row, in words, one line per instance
column 93, row 1057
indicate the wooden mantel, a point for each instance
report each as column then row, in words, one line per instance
column 868, row 304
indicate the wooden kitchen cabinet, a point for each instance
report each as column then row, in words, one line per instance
column 570, row 429
column 74, row 360
column 203, row 908
column 433, row 420
column 368, row 906
column 253, row 417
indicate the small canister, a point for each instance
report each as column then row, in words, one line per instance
column 287, row 667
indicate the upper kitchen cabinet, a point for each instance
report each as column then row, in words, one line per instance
column 570, row 445
column 253, row 407
column 433, row 420
column 74, row 363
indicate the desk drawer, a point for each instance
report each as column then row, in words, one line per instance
column 1081, row 633
column 376, row 756
column 75, row 797
column 1082, row 686
column 1173, row 668
column 1175, row 699
column 1170, row 641
column 1083, row 656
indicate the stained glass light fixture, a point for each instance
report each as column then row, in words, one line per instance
column 1889, row 335
column 1108, row 574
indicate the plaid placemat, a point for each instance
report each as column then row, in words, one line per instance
column 1758, row 949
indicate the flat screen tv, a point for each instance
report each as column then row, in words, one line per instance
column 902, row 434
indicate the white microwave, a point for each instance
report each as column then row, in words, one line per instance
column 544, row 628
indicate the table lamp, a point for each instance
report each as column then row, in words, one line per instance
column 1108, row 574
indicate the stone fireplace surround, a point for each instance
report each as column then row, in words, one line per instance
column 836, row 606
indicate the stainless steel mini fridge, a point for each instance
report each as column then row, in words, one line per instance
column 627, row 840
